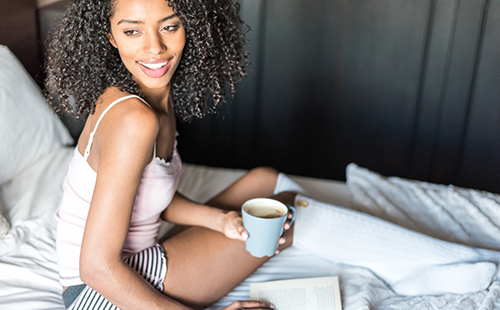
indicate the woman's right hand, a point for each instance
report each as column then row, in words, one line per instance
column 249, row 304
column 231, row 225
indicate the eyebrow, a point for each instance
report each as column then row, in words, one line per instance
column 131, row 21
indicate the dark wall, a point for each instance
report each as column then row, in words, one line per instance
column 405, row 88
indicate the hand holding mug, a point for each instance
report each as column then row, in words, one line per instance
column 264, row 218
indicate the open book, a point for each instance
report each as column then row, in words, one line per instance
column 300, row 294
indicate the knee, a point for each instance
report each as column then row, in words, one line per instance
column 263, row 180
column 264, row 174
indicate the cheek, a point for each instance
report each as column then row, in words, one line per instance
column 127, row 54
column 180, row 49
column 181, row 41
column 126, row 51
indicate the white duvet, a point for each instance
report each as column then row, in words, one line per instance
column 28, row 269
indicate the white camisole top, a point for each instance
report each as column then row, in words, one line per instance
column 157, row 187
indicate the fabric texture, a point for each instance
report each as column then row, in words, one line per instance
column 24, row 142
column 411, row 263
column 158, row 185
column 4, row 226
column 285, row 184
column 71, row 294
column 446, row 212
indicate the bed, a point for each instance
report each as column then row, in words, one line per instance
column 34, row 153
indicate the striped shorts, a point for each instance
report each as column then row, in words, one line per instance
column 150, row 263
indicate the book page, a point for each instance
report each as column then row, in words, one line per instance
column 300, row 294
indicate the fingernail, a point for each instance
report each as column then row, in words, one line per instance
column 271, row 306
column 244, row 235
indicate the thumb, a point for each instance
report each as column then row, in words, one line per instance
column 240, row 228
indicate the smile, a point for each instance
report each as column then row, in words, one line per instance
column 155, row 69
column 154, row 66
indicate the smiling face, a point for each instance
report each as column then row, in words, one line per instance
column 150, row 39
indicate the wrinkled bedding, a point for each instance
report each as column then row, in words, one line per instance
column 28, row 266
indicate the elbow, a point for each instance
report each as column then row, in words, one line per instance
column 94, row 271
column 89, row 272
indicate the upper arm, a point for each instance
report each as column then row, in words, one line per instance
column 124, row 143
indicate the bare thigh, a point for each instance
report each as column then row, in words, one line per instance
column 204, row 265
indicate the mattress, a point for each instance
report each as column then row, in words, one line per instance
column 28, row 268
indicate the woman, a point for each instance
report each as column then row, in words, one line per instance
column 126, row 168
column 132, row 65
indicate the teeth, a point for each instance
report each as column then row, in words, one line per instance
column 154, row 66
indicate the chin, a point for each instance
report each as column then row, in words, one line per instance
column 160, row 83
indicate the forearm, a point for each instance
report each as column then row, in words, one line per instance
column 186, row 212
column 126, row 289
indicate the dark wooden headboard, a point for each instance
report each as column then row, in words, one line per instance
column 404, row 87
column 19, row 31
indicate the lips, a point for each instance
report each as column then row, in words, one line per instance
column 154, row 68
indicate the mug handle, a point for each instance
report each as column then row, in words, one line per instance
column 293, row 211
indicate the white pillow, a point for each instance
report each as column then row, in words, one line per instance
column 447, row 212
column 28, row 127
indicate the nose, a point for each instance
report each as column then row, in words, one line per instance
column 155, row 44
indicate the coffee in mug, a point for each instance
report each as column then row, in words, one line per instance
column 264, row 218
column 266, row 212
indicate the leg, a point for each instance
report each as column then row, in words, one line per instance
column 258, row 182
column 204, row 265
column 410, row 262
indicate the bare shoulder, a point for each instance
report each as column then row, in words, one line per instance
column 131, row 116
column 128, row 130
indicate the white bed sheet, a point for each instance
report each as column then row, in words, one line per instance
column 28, row 269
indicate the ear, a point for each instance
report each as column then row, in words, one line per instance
column 111, row 39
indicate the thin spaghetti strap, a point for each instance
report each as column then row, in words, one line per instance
column 92, row 134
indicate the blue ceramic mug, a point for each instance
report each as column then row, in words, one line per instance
column 264, row 218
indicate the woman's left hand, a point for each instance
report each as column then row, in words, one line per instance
column 248, row 304
column 232, row 226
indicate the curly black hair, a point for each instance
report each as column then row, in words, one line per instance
column 81, row 62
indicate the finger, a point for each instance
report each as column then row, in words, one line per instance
column 282, row 240
column 287, row 224
column 251, row 304
column 244, row 235
column 238, row 224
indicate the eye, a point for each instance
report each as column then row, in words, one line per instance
column 131, row 33
column 171, row 28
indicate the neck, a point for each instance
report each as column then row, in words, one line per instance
column 158, row 98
